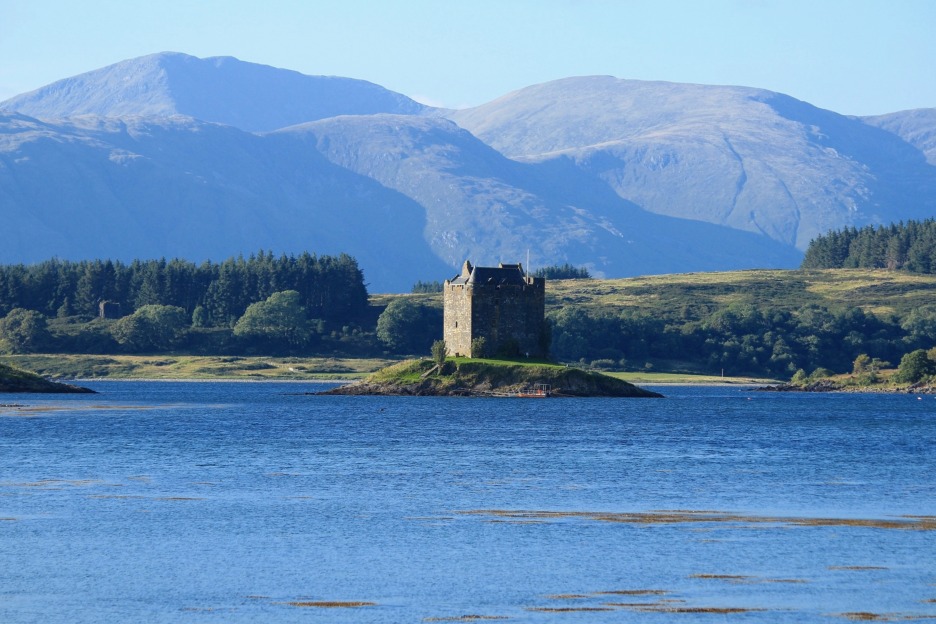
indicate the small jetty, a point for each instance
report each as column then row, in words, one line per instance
column 538, row 391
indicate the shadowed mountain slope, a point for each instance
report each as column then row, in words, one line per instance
column 147, row 188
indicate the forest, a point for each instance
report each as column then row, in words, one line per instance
column 332, row 288
column 909, row 246
column 159, row 305
column 739, row 339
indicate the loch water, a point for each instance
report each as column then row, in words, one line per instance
column 259, row 502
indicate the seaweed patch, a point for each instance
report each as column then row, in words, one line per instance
column 566, row 609
column 857, row 568
column 913, row 523
column 632, row 592
column 331, row 604
column 465, row 618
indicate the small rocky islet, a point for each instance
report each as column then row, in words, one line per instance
column 487, row 379
column 21, row 381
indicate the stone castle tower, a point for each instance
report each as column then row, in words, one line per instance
column 501, row 305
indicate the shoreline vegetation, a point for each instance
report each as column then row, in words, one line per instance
column 489, row 378
column 885, row 384
column 194, row 368
column 756, row 327
column 788, row 330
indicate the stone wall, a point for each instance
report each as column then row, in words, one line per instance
column 457, row 319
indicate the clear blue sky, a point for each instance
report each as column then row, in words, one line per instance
column 857, row 57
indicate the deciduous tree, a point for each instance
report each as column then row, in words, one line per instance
column 281, row 318
column 22, row 331
column 152, row 327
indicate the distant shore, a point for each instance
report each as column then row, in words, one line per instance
column 832, row 386
column 89, row 367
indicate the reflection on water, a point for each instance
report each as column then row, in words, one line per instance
column 247, row 502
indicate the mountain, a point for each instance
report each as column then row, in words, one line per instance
column 409, row 197
column 479, row 203
column 127, row 188
column 222, row 89
column 746, row 158
column 171, row 155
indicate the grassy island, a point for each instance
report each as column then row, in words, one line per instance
column 488, row 377
column 18, row 380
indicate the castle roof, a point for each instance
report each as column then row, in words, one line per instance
column 501, row 275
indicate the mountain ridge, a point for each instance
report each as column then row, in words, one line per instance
column 170, row 83
column 178, row 156
column 717, row 154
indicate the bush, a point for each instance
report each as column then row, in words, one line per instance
column 915, row 366
column 152, row 327
column 820, row 373
column 279, row 321
column 409, row 327
column 439, row 352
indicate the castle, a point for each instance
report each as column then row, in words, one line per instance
column 502, row 305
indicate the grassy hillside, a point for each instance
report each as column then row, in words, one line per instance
column 693, row 295
column 873, row 290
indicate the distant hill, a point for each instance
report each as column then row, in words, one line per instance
column 171, row 155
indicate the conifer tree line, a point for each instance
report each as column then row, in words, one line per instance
column 330, row 288
column 565, row 271
column 909, row 246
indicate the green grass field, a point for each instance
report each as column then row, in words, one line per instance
column 877, row 291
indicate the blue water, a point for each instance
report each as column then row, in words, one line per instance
column 226, row 502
